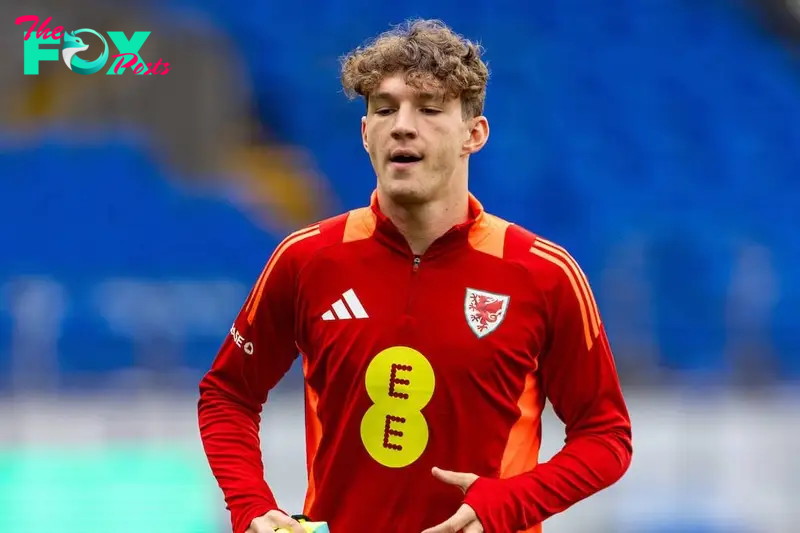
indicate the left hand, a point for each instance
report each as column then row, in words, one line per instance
column 465, row 518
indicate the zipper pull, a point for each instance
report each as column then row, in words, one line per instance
column 416, row 262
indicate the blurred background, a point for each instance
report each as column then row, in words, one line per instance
column 658, row 140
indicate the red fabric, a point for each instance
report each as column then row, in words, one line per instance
column 380, row 417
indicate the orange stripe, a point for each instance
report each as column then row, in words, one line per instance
column 525, row 438
column 587, row 289
column 488, row 235
column 360, row 225
column 563, row 266
column 313, row 437
column 522, row 448
column 297, row 236
column 277, row 253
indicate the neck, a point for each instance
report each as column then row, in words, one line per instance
column 421, row 224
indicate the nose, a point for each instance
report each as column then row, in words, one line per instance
column 404, row 126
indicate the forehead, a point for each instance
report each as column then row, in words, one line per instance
column 395, row 88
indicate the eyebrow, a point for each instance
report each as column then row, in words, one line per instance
column 424, row 96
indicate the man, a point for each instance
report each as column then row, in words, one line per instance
column 430, row 331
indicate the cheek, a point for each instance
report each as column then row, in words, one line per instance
column 449, row 147
column 374, row 135
column 371, row 138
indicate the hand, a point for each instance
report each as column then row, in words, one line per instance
column 465, row 518
column 273, row 520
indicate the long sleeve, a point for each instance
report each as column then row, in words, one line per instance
column 254, row 356
column 579, row 377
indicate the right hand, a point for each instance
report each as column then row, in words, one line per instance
column 269, row 522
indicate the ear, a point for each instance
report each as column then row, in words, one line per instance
column 478, row 135
column 364, row 133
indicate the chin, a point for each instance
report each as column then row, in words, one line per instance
column 404, row 191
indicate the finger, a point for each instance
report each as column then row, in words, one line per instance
column 460, row 479
column 288, row 523
column 455, row 523
column 260, row 525
column 474, row 527
column 444, row 527
column 448, row 476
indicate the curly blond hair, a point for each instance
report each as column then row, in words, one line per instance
column 429, row 55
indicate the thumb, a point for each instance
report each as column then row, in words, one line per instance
column 459, row 479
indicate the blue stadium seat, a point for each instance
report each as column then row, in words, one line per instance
column 88, row 215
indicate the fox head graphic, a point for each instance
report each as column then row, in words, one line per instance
column 74, row 44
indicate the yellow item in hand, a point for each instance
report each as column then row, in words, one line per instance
column 309, row 527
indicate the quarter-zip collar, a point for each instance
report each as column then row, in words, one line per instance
column 455, row 238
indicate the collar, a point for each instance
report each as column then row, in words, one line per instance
column 456, row 237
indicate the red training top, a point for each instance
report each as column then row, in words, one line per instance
column 413, row 362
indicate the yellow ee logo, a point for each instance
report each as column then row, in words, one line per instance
column 400, row 382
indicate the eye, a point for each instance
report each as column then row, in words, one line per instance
column 383, row 111
column 431, row 111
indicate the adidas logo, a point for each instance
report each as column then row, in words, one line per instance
column 349, row 307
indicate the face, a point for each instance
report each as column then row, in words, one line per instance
column 418, row 143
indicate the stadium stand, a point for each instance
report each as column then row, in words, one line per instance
column 618, row 128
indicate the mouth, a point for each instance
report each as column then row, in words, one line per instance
column 404, row 159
